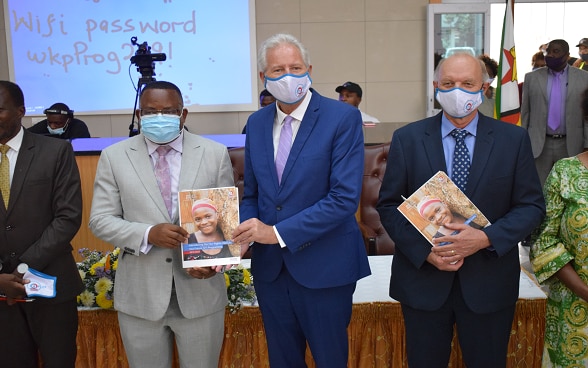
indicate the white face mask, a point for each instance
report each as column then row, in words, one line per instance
column 288, row 88
column 457, row 102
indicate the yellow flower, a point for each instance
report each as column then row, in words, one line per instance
column 246, row 277
column 87, row 298
column 103, row 285
column 94, row 266
column 227, row 280
column 103, row 301
column 115, row 264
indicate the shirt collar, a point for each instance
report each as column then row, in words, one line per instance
column 176, row 144
column 16, row 142
column 447, row 126
column 297, row 114
column 561, row 72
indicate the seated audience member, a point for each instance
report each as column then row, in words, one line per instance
column 351, row 93
column 558, row 256
column 60, row 123
column 265, row 98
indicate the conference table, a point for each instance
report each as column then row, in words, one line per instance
column 376, row 331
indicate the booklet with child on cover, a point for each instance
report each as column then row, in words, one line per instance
column 437, row 202
column 209, row 216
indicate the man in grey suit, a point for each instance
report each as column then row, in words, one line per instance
column 155, row 297
column 556, row 126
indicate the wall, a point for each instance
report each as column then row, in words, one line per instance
column 379, row 44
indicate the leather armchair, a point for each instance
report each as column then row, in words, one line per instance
column 377, row 240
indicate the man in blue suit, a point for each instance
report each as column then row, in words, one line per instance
column 298, row 209
column 473, row 282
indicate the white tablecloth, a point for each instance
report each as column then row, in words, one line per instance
column 374, row 288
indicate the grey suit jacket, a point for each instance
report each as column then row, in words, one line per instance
column 127, row 201
column 535, row 104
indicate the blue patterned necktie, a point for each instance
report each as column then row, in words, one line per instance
column 461, row 159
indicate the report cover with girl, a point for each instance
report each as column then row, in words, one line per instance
column 209, row 216
column 437, row 202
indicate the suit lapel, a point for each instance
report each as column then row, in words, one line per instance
column 191, row 160
column 23, row 163
column 482, row 149
column 433, row 145
column 542, row 79
column 306, row 127
column 141, row 163
column 268, row 142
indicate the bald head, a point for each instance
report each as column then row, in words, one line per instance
column 462, row 60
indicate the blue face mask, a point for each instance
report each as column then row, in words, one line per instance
column 160, row 128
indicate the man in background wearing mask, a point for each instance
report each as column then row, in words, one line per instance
column 582, row 62
column 60, row 123
column 473, row 282
column 551, row 109
column 135, row 207
column 303, row 178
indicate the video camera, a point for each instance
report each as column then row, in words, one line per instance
column 144, row 59
column 145, row 62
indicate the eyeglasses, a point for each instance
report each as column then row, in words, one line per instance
column 147, row 112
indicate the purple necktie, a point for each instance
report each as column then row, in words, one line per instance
column 163, row 175
column 554, row 118
column 284, row 146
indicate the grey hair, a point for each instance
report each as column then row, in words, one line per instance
column 485, row 75
column 275, row 41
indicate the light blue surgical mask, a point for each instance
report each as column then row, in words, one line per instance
column 57, row 131
column 159, row 128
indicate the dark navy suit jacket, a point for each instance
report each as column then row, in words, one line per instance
column 314, row 207
column 503, row 184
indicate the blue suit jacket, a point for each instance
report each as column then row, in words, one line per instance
column 503, row 184
column 314, row 207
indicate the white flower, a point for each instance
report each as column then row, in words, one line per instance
column 87, row 298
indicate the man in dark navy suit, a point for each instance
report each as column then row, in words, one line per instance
column 473, row 282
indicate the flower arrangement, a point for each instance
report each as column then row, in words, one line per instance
column 97, row 271
column 239, row 288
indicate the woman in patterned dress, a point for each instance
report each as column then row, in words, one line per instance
column 559, row 256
